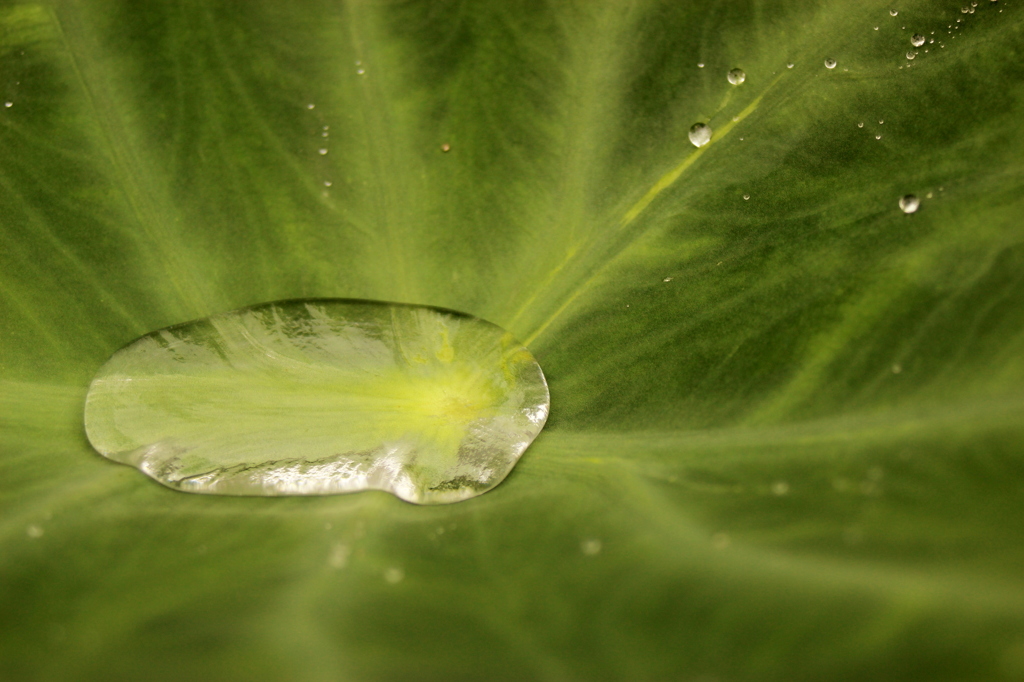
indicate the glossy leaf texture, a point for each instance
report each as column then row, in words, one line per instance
column 786, row 437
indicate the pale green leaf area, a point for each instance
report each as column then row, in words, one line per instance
column 787, row 432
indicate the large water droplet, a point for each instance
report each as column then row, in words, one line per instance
column 700, row 134
column 319, row 397
column 917, row 40
column 909, row 203
column 736, row 76
column 830, row 63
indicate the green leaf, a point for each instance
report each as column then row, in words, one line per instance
column 786, row 432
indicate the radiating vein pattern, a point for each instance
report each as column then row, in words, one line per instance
column 319, row 397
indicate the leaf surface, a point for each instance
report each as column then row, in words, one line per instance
column 786, row 431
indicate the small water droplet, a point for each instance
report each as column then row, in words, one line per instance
column 360, row 72
column 736, row 76
column 830, row 63
column 861, row 124
column 700, row 65
column 338, row 557
column 909, row 203
column 310, row 105
column 8, row 104
column 928, row 196
column 911, row 54
column 746, row 197
column 700, row 134
column 897, row 368
column 327, row 183
column 34, row 531
column 893, row 12
column 327, row 127
column 446, row 147
column 881, row 121
column 667, row 279
column 878, row 137
column 780, row 488
column 876, row 28
column 319, row 397
column 394, row 575
column 965, row 9
column 322, row 151
column 971, row 10
column 917, row 40
column 790, row 65
column 591, row 547
column 325, row 134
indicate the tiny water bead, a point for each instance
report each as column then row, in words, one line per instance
column 893, row 12
column 830, row 63
column 322, row 396
column 911, row 54
column 909, row 203
column 917, row 40
column 736, row 76
column 700, row 134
